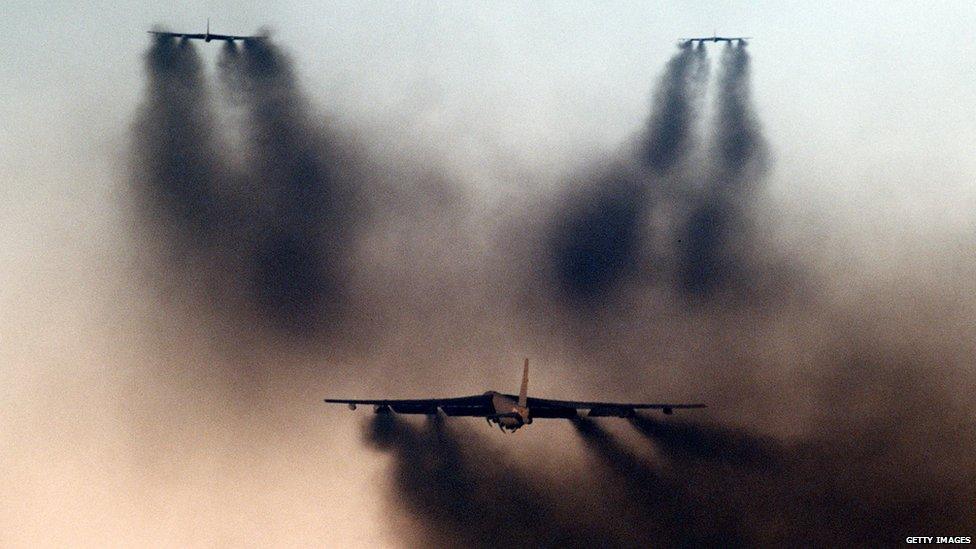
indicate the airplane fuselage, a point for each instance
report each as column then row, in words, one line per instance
column 509, row 416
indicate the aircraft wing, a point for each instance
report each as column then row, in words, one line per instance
column 198, row 36
column 232, row 37
column 179, row 35
column 474, row 406
column 715, row 39
column 481, row 406
column 542, row 407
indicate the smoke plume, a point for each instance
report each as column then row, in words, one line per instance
column 715, row 239
column 834, row 418
column 599, row 240
column 671, row 127
column 670, row 217
column 870, row 442
column 842, row 486
column 308, row 189
column 271, row 227
column 465, row 495
column 179, row 167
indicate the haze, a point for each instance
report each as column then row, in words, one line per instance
column 144, row 407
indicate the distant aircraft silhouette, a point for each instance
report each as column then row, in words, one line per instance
column 510, row 412
column 207, row 36
column 714, row 38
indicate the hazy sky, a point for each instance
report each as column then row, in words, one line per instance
column 868, row 103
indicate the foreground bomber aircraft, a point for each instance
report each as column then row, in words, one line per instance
column 510, row 412
column 206, row 37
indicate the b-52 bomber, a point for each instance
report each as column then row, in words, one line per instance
column 714, row 38
column 206, row 37
column 510, row 412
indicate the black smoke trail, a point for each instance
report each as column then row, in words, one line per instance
column 715, row 239
column 685, row 440
column 263, row 232
column 598, row 241
column 741, row 148
column 671, row 126
column 595, row 246
column 466, row 494
column 177, row 167
column 844, row 485
column 297, row 170
column 663, row 510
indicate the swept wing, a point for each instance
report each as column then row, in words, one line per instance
column 542, row 407
column 473, row 406
column 201, row 36
column 481, row 406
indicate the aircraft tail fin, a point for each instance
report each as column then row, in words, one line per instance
column 524, row 390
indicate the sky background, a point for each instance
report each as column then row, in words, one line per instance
column 868, row 109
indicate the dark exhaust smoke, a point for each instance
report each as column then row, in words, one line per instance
column 877, row 444
column 671, row 127
column 667, row 220
column 849, row 429
column 179, row 170
column 663, row 510
column 599, row 241
column 309, row 211
column 271, row 227
column 716, row 239
column 683, row 440
column 741, row 149
column 596, row 245
column 845, row 485
column 463, row 493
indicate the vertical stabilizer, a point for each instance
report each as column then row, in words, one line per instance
column 524, row 390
